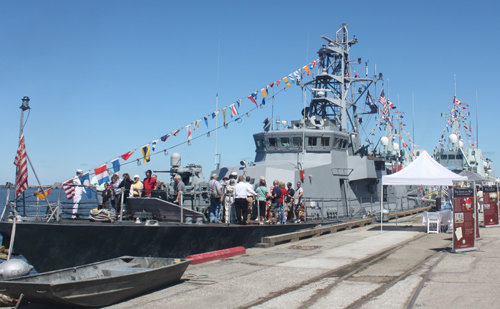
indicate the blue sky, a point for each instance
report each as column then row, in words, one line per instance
column 106, row 77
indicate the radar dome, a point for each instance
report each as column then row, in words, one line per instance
column 453, row 138
column 395, row 146
column 461, row 144
column 384, row 141
column 175, row 159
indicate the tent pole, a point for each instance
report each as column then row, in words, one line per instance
column 381, row 207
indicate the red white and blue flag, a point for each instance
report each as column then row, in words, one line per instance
column 101, row 173
column 22, row 167
column 382, row 100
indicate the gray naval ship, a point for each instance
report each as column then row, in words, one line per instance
column 457, row 156
column 323, row 149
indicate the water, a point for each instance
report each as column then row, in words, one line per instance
column 38, row 208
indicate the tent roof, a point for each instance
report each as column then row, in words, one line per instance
column 473, row 176
column 423, row 171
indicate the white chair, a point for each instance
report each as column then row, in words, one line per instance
column 433, row 222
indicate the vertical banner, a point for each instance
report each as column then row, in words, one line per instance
column 464, row 213
column 490, row 205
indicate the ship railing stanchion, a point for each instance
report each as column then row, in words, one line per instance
column 182, row 206
column 121, row 203
column 6, row 201
column 258, row 208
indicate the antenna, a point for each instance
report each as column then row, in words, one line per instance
column 413, row 116
column 477, row 134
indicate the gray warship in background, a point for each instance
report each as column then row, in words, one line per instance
column 323, row 149
column 459, row 157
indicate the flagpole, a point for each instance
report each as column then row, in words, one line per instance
column 217, row 106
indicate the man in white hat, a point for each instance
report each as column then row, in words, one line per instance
column 215, row 193
column 79, row 189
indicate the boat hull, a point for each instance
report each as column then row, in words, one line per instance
column 64, row 287
column 50, row 246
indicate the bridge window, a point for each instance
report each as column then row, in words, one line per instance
column 451, row 157
column 336, row 142
column 325, row 141
column 459, row 157
column 259, row 143
column 312, row 141
column 285, row 142
column 444, row 157
column 273, row 141
column 344, row 143
column 297, row 141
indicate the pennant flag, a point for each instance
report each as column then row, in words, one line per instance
column 153, row 144
column 285, row 80
column 224, row 113
column 116, row 165
column 234, row 112
column 196, row 124
column 291, row 77
column 278, row 82
column 263, row 91
column 404, row 144
column 263, row 101
column 239, row 103
column 470, row 127
column 146, row 152
column 69, row 189
column 449, row 122
column 272, row 84
column 22, row 167
column 206, row 120
column 253, row 97
column 314, row 63
column 86, row 183
column 127, row 155
column 40, row 195
column 306, row 68
column 455, row 101
column 165, row 137
column 214, row 114
column 267, row 90
column 189, row 139
column 174, row 133
column 101, row 173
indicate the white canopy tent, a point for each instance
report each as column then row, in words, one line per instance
column 424, row 171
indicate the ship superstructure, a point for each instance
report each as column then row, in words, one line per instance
column 323, row 149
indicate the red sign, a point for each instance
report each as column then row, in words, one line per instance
column 490, row 205
column 464, row 221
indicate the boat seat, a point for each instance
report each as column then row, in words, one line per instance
column 123, row 270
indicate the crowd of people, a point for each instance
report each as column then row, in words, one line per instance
column 236, row 200
column 232, row 200
column 109, row 195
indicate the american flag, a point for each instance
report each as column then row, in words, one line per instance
column 69, row 189
column 22, row 167
column 382, row 100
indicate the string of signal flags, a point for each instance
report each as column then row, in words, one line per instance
column 233, row 110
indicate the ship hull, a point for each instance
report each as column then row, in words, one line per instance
column 51, row 246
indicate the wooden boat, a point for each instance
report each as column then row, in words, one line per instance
column 97, row 284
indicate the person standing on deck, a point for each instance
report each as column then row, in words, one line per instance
column 180, row 189
column 126, row 183
column 136, row 189
column 98, row 190
column 149, row 183
column 215, row 193
column 79, row 189
column 297, row 201
column 275, row 203
column 242, row 192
